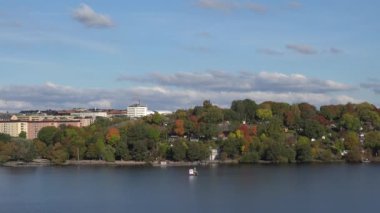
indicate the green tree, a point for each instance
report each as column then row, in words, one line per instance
column 197, row 151
column 178, row 151
column 245, row 109
column 47, row 134
column 121, row 151
column 307, row 111
column 372, row 141
column 139, row 150
column 278, row 152
column 352, row 144
column 163, row 150
column 264, row 114
column 92, row 152
column 354, row 155
column 208, row 130
column 250, row 157
column 313, row 129
column 276, row 129
column 232, row 147
column 22, row 135
column 5, row 137
column 109, row 153
column 350, row 122
column 303, row 150
column 351, row 140
column 58, row 154
column 40, row 149
column 332, row 112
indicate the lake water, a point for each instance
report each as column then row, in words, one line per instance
column 246, row 188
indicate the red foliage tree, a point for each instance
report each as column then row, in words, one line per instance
column 179, row 128
column 113, row 135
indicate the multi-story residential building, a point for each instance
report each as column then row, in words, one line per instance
column 35, row 126
column 41, row 117
column 31, row 125
column 137, row 110
column 87, row 114
column 13, row 127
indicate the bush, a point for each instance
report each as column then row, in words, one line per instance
column 58, row 154
column 250, row 157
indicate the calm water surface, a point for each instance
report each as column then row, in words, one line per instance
column 259, row 188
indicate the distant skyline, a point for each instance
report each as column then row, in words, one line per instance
column 176, row 53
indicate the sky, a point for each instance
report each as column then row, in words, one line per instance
column 172, row 54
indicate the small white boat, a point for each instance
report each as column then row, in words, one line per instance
column 193, row 172
column 366, row 160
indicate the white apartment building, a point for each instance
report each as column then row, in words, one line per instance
column 13, row 128
column 137, row 111
column 89, row 114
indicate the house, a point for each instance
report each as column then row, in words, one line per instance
column 213, row 154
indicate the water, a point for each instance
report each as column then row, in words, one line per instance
column 259, row 188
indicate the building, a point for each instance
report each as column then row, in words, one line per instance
column 13, row 127
column 32, row 124
column 213, row 154
column 137, row 111
column 86, row 114
column 35, row 126
column 42, row 117
column 85, row 121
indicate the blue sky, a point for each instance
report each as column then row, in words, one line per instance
column 172, row 54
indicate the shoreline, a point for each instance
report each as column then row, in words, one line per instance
column 121, row 163
column 45, row 162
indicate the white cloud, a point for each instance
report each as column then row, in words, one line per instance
column 302, row 49
column 103, row 103
column 373, row 85
column 243, row 82
column 164, row 93
column 229, row 5
column 257, row 8
column 13, row 105
column 216, row 5
column 87, row 16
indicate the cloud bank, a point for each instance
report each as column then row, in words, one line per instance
column 179, row 90
column 241, row 82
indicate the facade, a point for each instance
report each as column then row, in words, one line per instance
column 35, row 126
column 137, row 111
column 13, row 128
column 41, row 117
column 213, row 155
column 85, row 121
column 89, row 114
column 32, row 124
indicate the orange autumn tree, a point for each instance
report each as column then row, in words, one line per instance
column 179, row 128
column 113, row 136
column 247, row 132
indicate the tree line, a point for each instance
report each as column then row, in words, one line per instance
column 247, row 132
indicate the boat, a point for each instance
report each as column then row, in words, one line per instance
column 193, row 172
column 366, row 160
